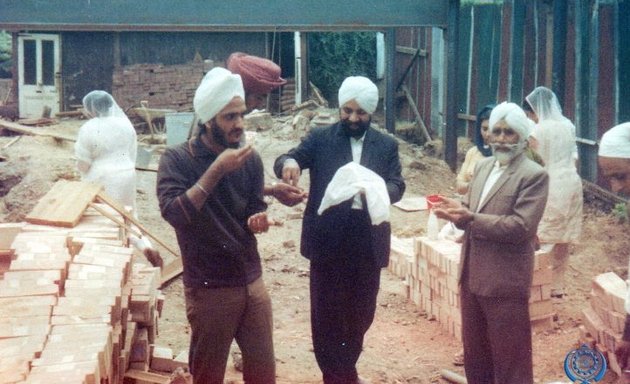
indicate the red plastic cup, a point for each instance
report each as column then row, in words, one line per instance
column 432, row 200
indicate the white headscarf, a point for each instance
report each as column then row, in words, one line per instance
column 101, row 104
column 616, row 142
column 513, row 116
column 361, row 89
column 218, row 87
column 545, row 104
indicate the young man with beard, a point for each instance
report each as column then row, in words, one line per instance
column 260, row 77
column 210, row 189
column 500, row 215
column 614, row 161
column 345, row 249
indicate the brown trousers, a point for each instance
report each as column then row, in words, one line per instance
column 497, row 337
column 217, row 316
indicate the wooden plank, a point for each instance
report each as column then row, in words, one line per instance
column 17, row 346
column 39, row 121
column 26, row 306
column 8, row 231
column 86, row 311
column 41, row 261
column 16, row 288
column 119, row 262
column 465, row 116
column 20, row 364
column 11, row 331
column 74, row 352
column 78, row 113
column 411, row 50
column 19, row 128
column 64, row 204
column 162, row 359
column 95, row 272
column 414, row 108
column 105, row 199
column 114, row 285
column 172, row 270
column 602, row 194
column 141, row 377
column 49, row 276
column 86, row 372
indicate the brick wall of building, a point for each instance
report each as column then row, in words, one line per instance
column 162, row 86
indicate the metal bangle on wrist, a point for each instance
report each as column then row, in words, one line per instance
column 273, row 189
column 202, row 189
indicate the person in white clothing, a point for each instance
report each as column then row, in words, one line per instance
column 105, row 151
column 553, row 138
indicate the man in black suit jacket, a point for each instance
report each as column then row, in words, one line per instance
column 500, row 215
column 345, row 249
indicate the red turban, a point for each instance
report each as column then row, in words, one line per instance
column 259, row 75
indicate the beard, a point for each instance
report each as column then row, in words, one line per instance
column 220, row 137
column 355, row 130
column 513, row 150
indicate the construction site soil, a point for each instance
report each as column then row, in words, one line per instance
column 403, row 345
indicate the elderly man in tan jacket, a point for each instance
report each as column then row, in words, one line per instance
column 500, row 215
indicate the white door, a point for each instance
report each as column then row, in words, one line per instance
column 39, row 66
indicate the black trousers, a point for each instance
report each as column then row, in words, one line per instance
column 344, row 286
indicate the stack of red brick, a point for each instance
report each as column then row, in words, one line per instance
column 74, row 307
column 604, row 317
column 163, row 86
column 430, row 270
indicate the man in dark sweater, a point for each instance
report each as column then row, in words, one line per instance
column 210, row 190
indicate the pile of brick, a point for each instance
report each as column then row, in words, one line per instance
column 604, row 318
column 74, row 306
column 430, row 270
column 162, row 86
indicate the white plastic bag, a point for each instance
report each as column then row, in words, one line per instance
column 354, row 178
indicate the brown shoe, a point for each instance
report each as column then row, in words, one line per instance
column 458, row 359
column 558, row 293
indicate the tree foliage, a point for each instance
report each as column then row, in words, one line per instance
column 333, row 56
column 5, row 55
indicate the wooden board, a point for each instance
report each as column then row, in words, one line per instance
column 8, row 231
column 172, row 270
column 64, row 204
column 138, row 376
column 20, row 128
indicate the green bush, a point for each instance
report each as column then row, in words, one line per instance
column 620, row 211
column 5, row 55
column 333, row 56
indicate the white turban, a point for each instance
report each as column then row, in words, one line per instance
column 616, row 142
column 218, row 87
column 513, row 116
column 361, row 89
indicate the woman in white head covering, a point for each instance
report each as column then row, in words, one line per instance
column 106, row 150
column 554, row 140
